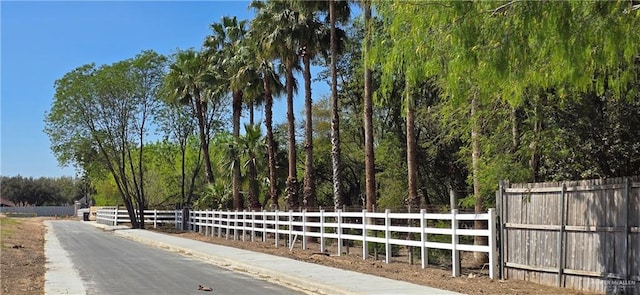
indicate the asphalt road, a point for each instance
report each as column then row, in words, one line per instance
column 108, row 264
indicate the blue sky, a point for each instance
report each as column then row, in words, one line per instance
column 41, row 41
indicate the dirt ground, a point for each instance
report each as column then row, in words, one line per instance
column 471, row 281
column 22, row 260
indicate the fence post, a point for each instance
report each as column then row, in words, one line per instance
column 115, row 217
column 228, row 224
column 235, row 225
column 253, row 225
column 244, row 224
column 290, row 227
column 339, row 230
column 561, row 236
column 423, row 238
column 504, row 238
column 155, row 218
column 219, row 214
column 264, row 226
column 191, row 224
column 387, row 235
column 627, row 228
column 322, row 230
column 175, row 218
column 492, row 244
column 455, row 254
column 499, row 203
column 365, row 248
column 304, row 229
column 212, row 223
column 277, row 228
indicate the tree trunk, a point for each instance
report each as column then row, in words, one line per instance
column 254, row 202
column 515, row 130
column 480, row 258
column 250, row 107
column 309, row 193
column 292, row 179
column 142, row 200
column 237, row 109
column 183, row 172
column 412, row 168
column 335, row 115
column 194, row 174
column 204, row 142
column 535, row 157
column 369, row 161
column 268, row 118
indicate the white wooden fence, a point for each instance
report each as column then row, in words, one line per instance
column 114, row 216
column 339, row 226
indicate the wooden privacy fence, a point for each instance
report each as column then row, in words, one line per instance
column 351, row 226
column 582, row 235
column 115, row 216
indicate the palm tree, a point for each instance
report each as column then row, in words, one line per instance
column 263, row 55
column 369, row 161
column 272, row 86
column 315, row 39
column 227, row 40
column 251, row 145
column 280, row 25
column 335, row 112
column 185, row 82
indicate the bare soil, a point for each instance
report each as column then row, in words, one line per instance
column 22, row 260
column 473, row 280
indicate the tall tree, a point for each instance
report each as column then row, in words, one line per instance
column 370, row 168
column 272, row 85
column 264, row 53
column 99, row 113
column 225, row 46
column 185, row 83
column 315, row 37
column 281, row 28
column 335, row 112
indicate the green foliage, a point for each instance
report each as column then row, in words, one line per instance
column 217, row 196
column 379, row 248
column 106, row 192
column 43, row 191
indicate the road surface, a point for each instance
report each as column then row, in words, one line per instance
column 108, row 264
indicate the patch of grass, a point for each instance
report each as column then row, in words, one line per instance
column 7, row 228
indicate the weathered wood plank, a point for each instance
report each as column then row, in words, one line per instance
column 528, row 190
column 567, row 271
column 572, row 228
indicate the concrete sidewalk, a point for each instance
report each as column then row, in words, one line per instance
column 299, row 275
